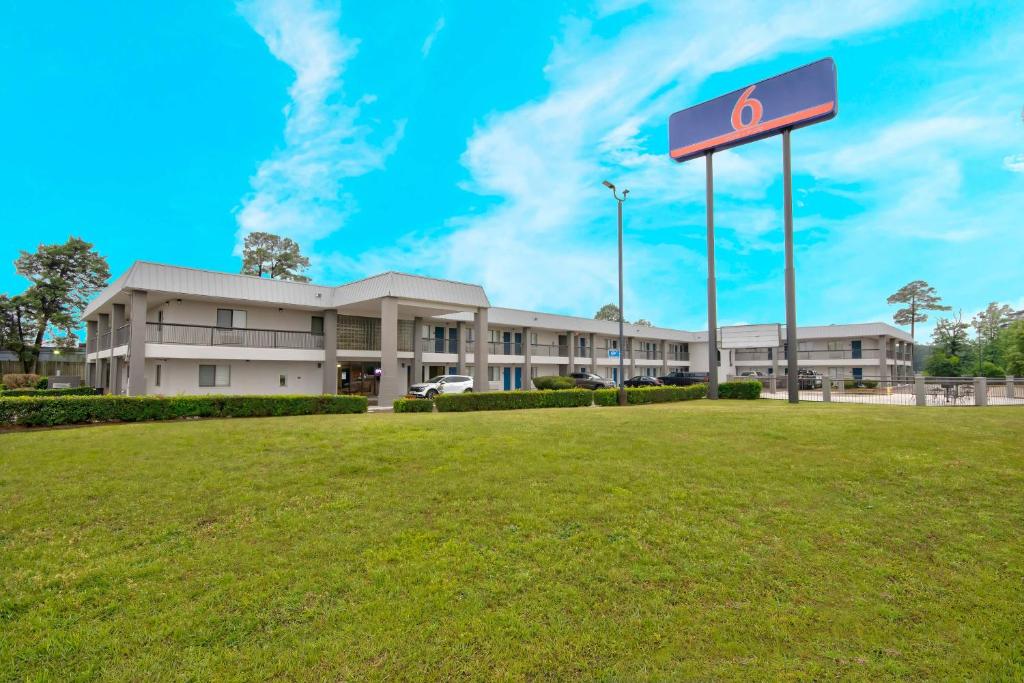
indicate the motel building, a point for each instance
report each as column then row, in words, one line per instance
column 167, row 330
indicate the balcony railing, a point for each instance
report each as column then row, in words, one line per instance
column 646, row 354
column 753, row 355
column 549, row 350
column 435, row 345
column 679, row 355
column 203, row 335
column 838, row 354
column 121, row 335
column 103, row 342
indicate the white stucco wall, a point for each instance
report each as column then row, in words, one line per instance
column 192, row 312
column 181, row 376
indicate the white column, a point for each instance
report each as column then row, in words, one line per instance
column 392, row 384
column 330, row 368
column 480, row 355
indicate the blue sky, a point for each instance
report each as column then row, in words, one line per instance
column 468, row 141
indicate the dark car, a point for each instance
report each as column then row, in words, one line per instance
column 588, row 380
column 643, row 381
column 808, row 379
column 684, row 379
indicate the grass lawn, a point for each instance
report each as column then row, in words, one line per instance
column 699, row 540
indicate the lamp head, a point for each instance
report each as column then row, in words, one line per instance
column 625, row 192
column 608, row 185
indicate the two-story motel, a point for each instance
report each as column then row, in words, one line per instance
column 161, row 329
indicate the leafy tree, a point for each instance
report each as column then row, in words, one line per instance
column 988, row 325
column 941, row 365
column 276, row 257
column 919, row 297
column 608, row 312
column 950, row 335
column 643, row 322
column 1012, row 343
column 62, row 277
column 990, row 369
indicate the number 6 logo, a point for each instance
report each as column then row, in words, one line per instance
column 747, row 102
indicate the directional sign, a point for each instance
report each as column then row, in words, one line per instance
column 613, row 353
column 791, row 100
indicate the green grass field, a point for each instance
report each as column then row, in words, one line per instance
column 729, row 540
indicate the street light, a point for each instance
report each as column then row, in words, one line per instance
column 622, row 341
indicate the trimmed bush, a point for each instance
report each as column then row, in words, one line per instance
column 869, row 383
column 554, row 382
column 513, row 400
column 42, row 382
column 76, row 391
column 742, row 389
column 21, row 380
column 59, row 410
column 641, row 395
column 413, row 405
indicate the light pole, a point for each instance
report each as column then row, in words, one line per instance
column 622, row 318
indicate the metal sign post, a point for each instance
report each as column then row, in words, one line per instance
column 795, row 99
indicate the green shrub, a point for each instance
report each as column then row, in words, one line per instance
column 742, row 389
column 58, row 410
column 869, row 383
column 641, row 395
column 413, row 405
column 77, row 391
column 554, row 382
column 41, row 383
column 20, row 380
column 513, row 400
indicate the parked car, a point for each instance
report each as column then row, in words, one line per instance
column 753, row 374
column 684, row 379
column 588, row 380
column 809, row 379
column 643, row 381
column 442, row 384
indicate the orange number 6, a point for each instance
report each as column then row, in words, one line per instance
column 747, row 102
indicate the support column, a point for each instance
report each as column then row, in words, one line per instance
column 391, row 382
column 137, row 344
column 117, row 319
column 922, row 397
column 417, row 350
column 480, row 355
column 91, row 340
column 776, row 352
column 330, row 367
column 593, row 355
column 461, row 370
column 664, row 356
column 1010, row 391
column 883, row 367
column 103, row 329
column 572, row 350
column 826, row 389
column 527, row 360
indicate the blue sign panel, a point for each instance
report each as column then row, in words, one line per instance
column 613, row 353
column 791, row 100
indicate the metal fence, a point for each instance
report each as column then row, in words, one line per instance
column 912, row 391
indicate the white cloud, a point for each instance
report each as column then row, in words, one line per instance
column 551, row 238
column 1014, row 163
column 298, row 191
column 428, row 43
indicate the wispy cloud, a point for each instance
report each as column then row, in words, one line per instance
column 1014, row 163
column 428, row 43
column 298, row 191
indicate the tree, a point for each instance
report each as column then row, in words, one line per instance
column 63, row 277
column 941, row 365
column 988, row 324
column 1012, row 342
column 18, row 322
column 950, row 335
column 274, row 256
column 608, row 312
column 643, row 322
column 919, row 296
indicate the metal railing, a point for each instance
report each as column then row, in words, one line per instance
column 121, row 335
column 204, row 335
column 646, row 354
column 103, row 341
column 753, row 355
column 435, row 345
column 837, row 354
column 679, row 355
column 549, row 350
column 909, row 391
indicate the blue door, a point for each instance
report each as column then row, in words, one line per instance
column 615, row 375
column 519, row 344
column 453, row 371
column 855, row 348
column 507, row 375
column 438, row 340
column 519, row 378
column 507, row 339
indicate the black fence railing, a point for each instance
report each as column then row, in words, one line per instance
column 203, row 335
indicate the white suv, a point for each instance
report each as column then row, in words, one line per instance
column 442, row 384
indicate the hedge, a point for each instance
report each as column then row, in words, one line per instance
column 513, row 400
column 76, row 391
column 742, row 389
column 413, row 405
column 58, row 410
column 640, row 395
column 554, row 382
column 22, row 380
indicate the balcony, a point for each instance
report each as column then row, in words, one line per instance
column 837, row 354
column 203, row 335
column 549, row 350
column 435, row 345
column 753, row 355
column 103, row 341
column 121, row 335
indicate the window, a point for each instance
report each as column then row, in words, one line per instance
column 492, row 373
column 495, row 335
column 533, row 338
column 156, row 381
column 534, row 370
column 316, row 325
column 214, row 375
column 227, row 317
column 282, row 380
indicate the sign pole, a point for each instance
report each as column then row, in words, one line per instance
column 712, row 295
column 792, row 344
